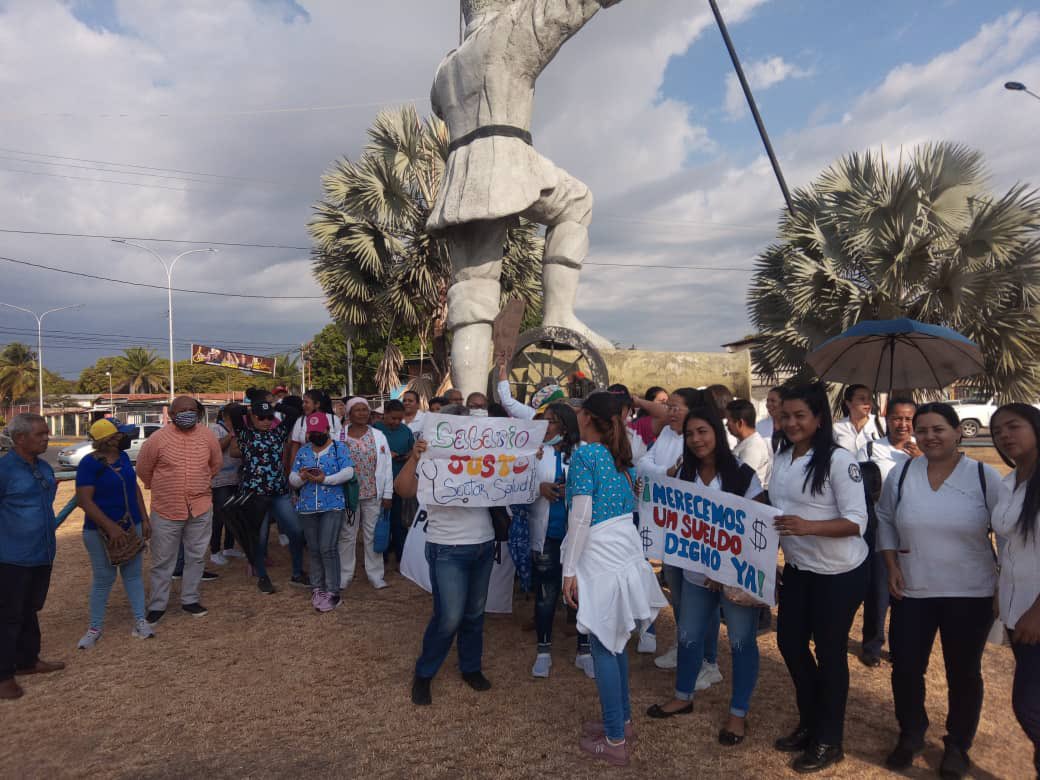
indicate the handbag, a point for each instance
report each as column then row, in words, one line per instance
column 351, row 488
column 123, row 547
column 501, row 518
column 381, row 535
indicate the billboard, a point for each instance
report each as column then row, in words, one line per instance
column 213, row 356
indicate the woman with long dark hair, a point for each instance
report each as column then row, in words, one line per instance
column 605, row 576
column 857, row 427
column 708, row 461
column 1016, row 434
column 548, row 528
column 818, row 490
column 314, row 402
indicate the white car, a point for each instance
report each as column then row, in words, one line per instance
column 70, row 457
column 975, row 414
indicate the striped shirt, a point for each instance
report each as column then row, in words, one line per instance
column 178, row 466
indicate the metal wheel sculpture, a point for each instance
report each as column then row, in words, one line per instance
column 558, row 356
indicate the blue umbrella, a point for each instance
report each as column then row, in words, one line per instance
column 909, row 353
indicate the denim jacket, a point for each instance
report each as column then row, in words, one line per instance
column 27, row 512
column 338, row 468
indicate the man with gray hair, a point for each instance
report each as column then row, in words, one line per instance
column 27, row 549
column 484, row 91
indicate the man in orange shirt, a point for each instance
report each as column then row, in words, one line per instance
column 177, row 464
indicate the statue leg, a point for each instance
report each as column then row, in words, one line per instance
column 473, row 300
column 567, row 213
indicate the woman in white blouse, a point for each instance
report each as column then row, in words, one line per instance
column 858, row 426
column 1016, row 434
column 933, row 528
column 818, row 490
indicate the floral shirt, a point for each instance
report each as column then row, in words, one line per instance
column 363, row 453
column 262, row 469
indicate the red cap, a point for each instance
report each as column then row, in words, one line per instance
column 318, row 423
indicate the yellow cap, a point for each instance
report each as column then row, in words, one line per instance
column 102, row 429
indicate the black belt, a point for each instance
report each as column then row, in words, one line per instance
column 489, row 131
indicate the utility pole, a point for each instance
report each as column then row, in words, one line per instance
column 350, row 367
column 303, row 369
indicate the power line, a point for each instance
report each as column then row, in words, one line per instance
column 171, row 176
column 156, row 240
column 163, row 287
column 101, row 181
column 122, row 338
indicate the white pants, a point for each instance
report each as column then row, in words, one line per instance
column 366, row 516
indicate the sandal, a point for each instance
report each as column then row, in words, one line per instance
column 730, row 739
column 657, row 712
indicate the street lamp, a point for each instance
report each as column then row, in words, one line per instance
column 111, row 396
column 39, row 339
column 169, row 286
column 1018, row 86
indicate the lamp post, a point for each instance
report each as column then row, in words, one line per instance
column 1018, row 86
column 39, row 339
column 111, row 395
column 168, row 267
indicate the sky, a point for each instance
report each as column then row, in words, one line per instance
column 213, row 122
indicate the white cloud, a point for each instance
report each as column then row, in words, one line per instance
column 761, row 75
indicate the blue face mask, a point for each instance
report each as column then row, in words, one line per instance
column 553, row 441
column 186, row 420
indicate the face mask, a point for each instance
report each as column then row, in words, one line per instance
column 553, row 441
column 125, row 442
column 318, row 439
column 185, row 420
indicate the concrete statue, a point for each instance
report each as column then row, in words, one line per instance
column 484, row 91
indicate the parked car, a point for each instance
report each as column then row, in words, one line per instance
column 975, row 414
column 71, row 456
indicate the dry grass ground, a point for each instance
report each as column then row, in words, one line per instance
column 265, row 687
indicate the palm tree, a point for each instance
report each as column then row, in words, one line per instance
column 140, row 370
column 923, row 239
column 17, row 372
column 380, row 270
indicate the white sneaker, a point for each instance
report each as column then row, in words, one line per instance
column 233, row 553
column 542, row 665
column 142, row 630
column 218, row 559
column 647, row 643
column 669, row 660
column 89, row 639
column 584, row 662
column 379, row 584
column 708, row 676
column 283, row 540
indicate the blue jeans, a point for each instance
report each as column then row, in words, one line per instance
column 612, row 684
column 698, row 621
column 288, row 523
column 321, row 529
column 105, row 577
column 1025, row 695
column 459, row 574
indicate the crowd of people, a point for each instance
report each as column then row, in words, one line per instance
column 893, row 517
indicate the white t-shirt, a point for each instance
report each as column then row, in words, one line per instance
column 846, row 435
column 458, row 525
column 944, row 532
column 882, row 454
column 754, row 489
column 842, row 496
column 754, row 451
column 663, row 455
column 299, row 431
column 1019, row 556
column 416, row 425
column 765, row 429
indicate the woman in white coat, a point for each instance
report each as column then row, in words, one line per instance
column 373, row 468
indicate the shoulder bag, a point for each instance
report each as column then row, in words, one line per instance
column 123, row 547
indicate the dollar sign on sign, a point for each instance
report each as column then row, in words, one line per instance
column 758, row 539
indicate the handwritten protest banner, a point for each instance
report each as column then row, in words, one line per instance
column 486, row 461
column 728, row 539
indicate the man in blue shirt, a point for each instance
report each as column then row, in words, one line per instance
column 401, row 440
column 27, row 548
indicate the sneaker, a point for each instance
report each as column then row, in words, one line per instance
column 233, row 553
column 708, row 676
column 594, row 728
column 379, row 584
column 195, row 610
column 669, row 660
column 598, row 747
column 142, row 630
column 477, row 681
column 218, row 559
column 265, row 586
column 317, row 597
column 283, row 540
column 154, row 616
column 89, row 639
column 955, row 762
column 542, row 665
column 647, row 643
column 584, row 662
column 300, row 581
column 332, row 601
column 421, row 691
column 208, row 576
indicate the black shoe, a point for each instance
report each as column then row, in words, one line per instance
column 208, row 576
column 731, row 739
column 795, row 742
column 421, row 691
column 265, row 585
column 300, row 581
column 154, row 616
column 195, row 610
column 817, row 757
column 176, row 575
column 870, row 660
column 477, row 681
column 902, row 756
column 657, row 712
column 955, row 762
